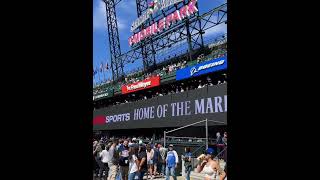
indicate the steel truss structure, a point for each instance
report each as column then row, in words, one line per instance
column 190, row 30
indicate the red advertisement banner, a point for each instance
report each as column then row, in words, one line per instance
column 145, row 84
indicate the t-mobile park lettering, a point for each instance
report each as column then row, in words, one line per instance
column 154, row 7
column 156, row 27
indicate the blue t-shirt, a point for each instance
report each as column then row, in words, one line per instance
column 189, row 154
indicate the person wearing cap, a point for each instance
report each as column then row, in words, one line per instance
column 171, row 162
column 209, row 166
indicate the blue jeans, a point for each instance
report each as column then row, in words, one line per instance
column 188, row 171
column 170, row 171
column 132, row 176
column 141, row 174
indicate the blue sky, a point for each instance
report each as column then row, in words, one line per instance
column 126, row 14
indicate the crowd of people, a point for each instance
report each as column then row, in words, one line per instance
column 168, row 89
column 129, row 159
column 138, row 75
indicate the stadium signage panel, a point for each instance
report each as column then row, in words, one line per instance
column 164, row 23
column 153, row 7
column 145, row 84
column 109, row 93
column 202, row 68
column 166, row 111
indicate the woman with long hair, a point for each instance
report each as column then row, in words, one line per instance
column 142, row 157
column 133, row 162
column 150, row 154
column 210, row 166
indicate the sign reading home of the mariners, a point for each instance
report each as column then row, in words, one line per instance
column 166, row 111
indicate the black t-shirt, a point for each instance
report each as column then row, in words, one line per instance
column 124, row 157
column 141, row 155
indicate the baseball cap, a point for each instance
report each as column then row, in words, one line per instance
column 209, row 151
column 171, row 145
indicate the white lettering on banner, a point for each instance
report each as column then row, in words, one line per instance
column 143, row 113
column 140, row 113
column 180, row 109
column 165, row 109
column 146, row 113
column 159, row 111
column 203, row 67
column 209, row 106
column 225, row 103
column 206, row 105
column 217, row 102
column 118, row 118
column 100, row 96
column 187, row 108
column 199, row 107
column 139, row 85
column 152, row 112
column 173, row 105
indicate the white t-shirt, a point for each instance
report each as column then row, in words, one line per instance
column 150, row 155
column 132, row 164
column 105, row 156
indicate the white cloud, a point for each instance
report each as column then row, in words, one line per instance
column 128, row 7
column 122, row 24
column 99, row 17
column 219, row 29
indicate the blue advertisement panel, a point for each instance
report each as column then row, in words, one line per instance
column 202, row 68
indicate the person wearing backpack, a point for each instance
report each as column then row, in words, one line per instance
column 187, row 162
column 124, row 160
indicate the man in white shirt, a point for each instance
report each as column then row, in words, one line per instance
column 105, row 158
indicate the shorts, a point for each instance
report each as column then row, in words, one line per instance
column 150, row 162
column 124, row 170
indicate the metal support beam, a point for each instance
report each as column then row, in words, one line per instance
column 207, row 134
column 114, row 42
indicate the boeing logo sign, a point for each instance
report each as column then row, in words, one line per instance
column 202, row 68
column 195, row 70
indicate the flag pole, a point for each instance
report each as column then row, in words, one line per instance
column 99, row 76
column 104, row 75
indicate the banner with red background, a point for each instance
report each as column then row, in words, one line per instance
column 145, row 84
